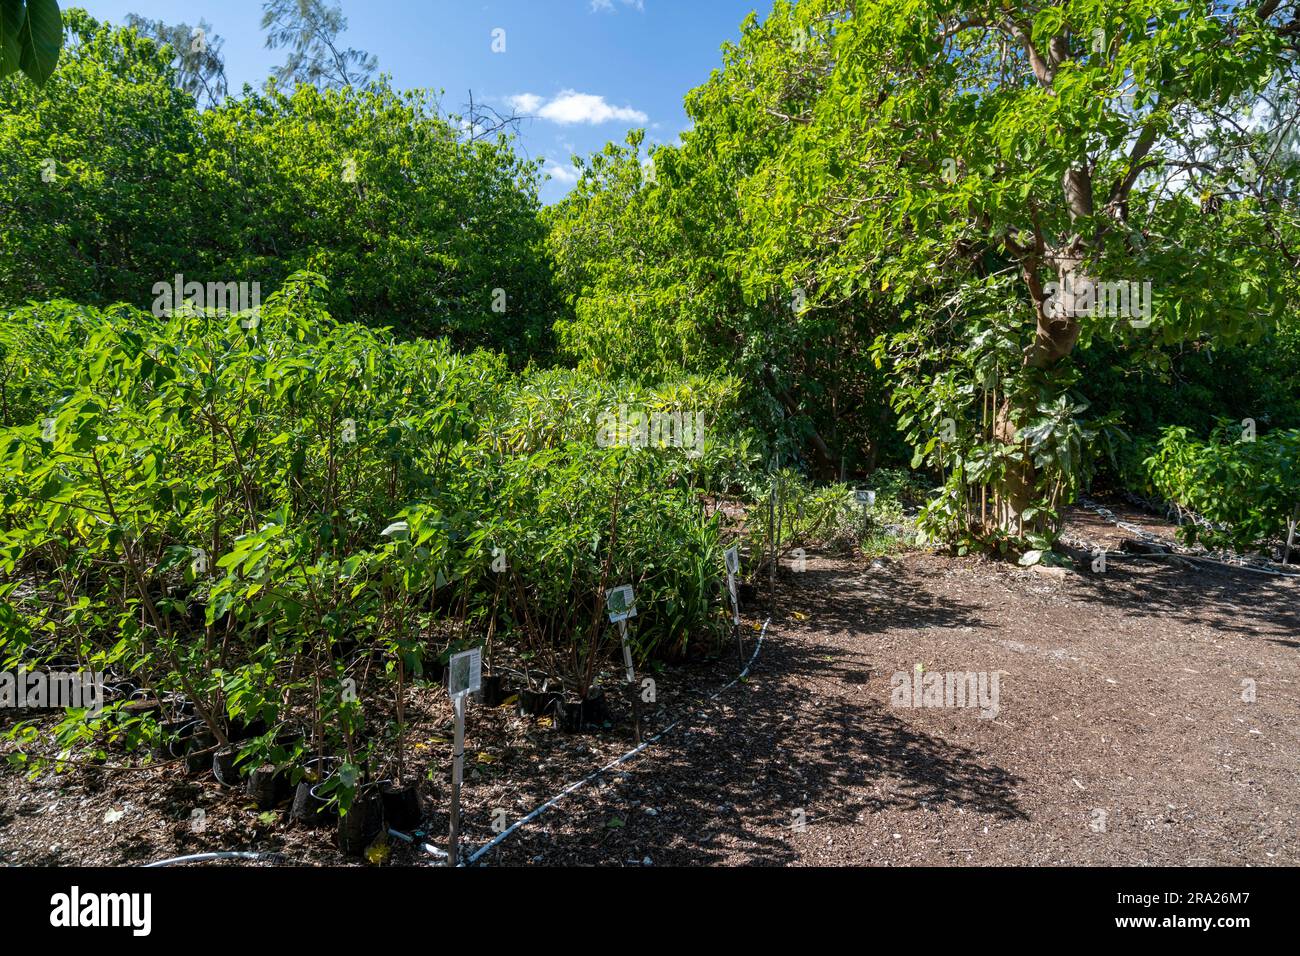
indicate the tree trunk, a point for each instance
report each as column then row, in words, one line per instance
column 1056, row 332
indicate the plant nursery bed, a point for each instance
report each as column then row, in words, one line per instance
column 91, row 815
column 1149, row 714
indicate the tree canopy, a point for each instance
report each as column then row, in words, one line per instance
column 959, row 195
column 994, row 240
column 112, row 180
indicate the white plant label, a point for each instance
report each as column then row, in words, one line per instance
column 732, row 558
column 465, row 673
column 621, row 603
column 865, row 497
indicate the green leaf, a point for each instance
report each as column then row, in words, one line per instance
column 41, row 37
column 12, row 15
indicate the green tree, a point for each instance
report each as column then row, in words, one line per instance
column 417, row 227
column 949, row 145
column 652, row 258
column 992, row 186
column 111, row 181
column 200, row 71
column 310, row 30
column 95, row 197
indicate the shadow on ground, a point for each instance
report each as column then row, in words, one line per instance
column 795, row 742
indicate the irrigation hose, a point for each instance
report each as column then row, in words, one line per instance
column 631, row 754
column 1142, row 533
column 222, row 855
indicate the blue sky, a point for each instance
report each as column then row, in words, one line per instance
column 590, row 69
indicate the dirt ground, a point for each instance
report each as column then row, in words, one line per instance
column 1126, row 732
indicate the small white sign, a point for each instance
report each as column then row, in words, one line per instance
column 865, row 497
column 621, row 603
column 732, row 558
column 465, row 673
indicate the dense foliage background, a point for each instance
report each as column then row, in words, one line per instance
column 112, row 180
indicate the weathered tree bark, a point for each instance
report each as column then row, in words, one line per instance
column 1056, row 332
column 1055, row 335
column 1061, row 256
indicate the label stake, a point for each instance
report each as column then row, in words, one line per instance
column 621, row 604
column 464, row 677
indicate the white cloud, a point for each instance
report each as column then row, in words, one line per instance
column 525, row 102
column 561, row 174
column 570, row 107
column 607, row 6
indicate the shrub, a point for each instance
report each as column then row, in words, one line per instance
column 244, row 514
column 1246, row 490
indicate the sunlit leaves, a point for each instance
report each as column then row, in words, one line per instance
column 1241, row 493
column 305, row 485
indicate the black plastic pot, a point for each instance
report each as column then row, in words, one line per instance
column 241, row 730
column 223, row 767
column 595, row 707
column 361, row 824
column 310, row 808
column 267, row 786
column 568, row 715
column 175, row 738
column 534, row 703
column 141, row 702
column 432, row 669
column 316, row 769
column 188, row 738
column 198, row 750
column 494, row 692
column 401, row 806
column 120, row 690
column 574, row 716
